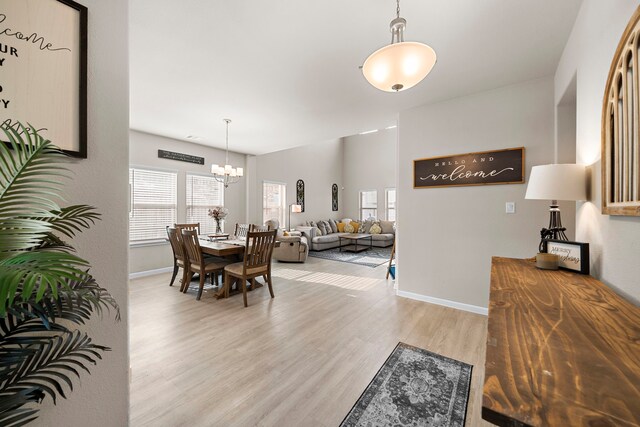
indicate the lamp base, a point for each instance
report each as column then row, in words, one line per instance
column 555, row 231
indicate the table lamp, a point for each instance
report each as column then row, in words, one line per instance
column 294, row 209
column 556, row 182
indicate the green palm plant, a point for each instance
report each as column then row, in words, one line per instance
column 45, row 288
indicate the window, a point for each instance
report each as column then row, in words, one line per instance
column 368, row 204
column 274, row 202
column 203, row 193
column 390, row 202
column 153, row 204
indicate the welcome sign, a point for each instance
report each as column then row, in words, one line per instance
column 482, row 168
column 43, row 48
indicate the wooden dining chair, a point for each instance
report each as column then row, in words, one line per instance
column 241, row 231
column 255, row 227
column 196, row 263
column 257, row 262
column 178, row 253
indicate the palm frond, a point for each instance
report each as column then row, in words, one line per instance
column 29, row 178
column 49, row 364
column 72, row 219
column 38, row 271
column 19, row 234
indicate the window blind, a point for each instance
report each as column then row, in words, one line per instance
column 153, row 204
column 203, row 193
column 391, row 204
column 274, row 205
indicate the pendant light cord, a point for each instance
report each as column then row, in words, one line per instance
column 398, row 9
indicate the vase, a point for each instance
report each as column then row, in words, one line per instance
column 218, row 226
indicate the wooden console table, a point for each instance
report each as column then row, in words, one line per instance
column 562, row 350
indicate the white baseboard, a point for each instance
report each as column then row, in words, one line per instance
column 150, row 272
column 444, row 302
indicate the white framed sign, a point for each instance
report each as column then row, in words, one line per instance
column 572, row 255
column 43, row 70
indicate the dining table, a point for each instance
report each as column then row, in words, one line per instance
column 232, row 249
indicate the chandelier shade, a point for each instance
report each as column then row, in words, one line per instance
column 399, row 66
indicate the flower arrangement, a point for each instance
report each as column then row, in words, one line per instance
column 218, row 213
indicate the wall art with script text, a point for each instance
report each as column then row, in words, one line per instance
column 181, row 157
column 43, row 64
column 482, row 168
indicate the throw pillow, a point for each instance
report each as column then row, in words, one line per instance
column 286, row 233
column 348, row 228
column 355, row 225
column 387, row 226
column 341, row 226
column 333, row 225
column 347, row 220
column 375, row 229
column 326, row 228
column 366, row 225
column 318, row 232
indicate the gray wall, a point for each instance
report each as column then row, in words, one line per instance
column 102, row 398
column 318, row 165
column 614, row 241
column 446, row 236
column 369, row 164
column 143, row 152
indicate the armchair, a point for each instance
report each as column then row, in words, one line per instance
column 293, row 248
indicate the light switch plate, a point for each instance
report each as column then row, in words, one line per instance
column 510, row 207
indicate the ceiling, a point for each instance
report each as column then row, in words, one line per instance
column 286, row 71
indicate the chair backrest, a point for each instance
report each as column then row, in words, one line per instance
column 241, row 230
column 192, row 226
column 257, row 253
column 176, row 243
column 256, row 227
column 192, row 246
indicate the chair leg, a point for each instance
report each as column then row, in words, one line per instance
column 175, row 272
column 244, row 291
column 187, row 279
column 270, row 284
column 203, row 277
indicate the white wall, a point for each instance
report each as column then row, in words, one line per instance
column 369, row 163
column 102, row 398
column 614, row 241
column 144, row 152
column 446, row 236
column 318, row 165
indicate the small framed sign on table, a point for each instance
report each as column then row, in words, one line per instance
column 43, row 59
column 572, row 255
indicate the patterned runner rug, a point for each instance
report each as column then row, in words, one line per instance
column 414, row 387
column 371, row 258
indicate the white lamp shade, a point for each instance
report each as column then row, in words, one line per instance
column 227, row 168
column 557, row 182
column 240, row 171
column 296, row 208
column 399, row 66
column 214, row 168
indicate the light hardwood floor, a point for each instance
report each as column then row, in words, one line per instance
column 301, row 359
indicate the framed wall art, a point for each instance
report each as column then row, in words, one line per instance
column 334, row 197
column 573, row 256
column 620, row 123
column 43, row 59
column 481, row 168
column 300, row 194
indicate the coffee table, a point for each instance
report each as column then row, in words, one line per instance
column 356, row 242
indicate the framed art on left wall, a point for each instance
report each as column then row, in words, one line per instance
column 43, row 58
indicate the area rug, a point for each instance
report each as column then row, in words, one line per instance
column 414, row 387
column 371, row 258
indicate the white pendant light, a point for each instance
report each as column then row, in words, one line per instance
column 400, row 65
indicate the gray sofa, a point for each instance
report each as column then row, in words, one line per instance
column 331, row 240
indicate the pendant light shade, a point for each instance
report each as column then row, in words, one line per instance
column 400, row 65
